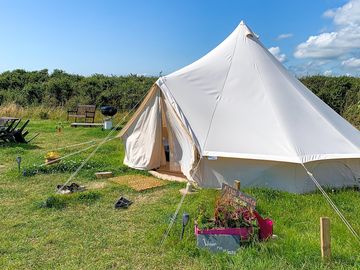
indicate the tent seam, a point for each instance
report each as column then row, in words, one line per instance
column 222, row 90
column 280, row 123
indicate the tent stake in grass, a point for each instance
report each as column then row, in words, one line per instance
column 325, row 238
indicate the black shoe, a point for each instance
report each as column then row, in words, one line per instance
column 123, row 203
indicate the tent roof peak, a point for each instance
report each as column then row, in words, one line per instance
column 242, row 27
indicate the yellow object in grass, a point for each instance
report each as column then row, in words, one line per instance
column 52, row 155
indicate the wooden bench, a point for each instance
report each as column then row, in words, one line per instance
column 87, row 112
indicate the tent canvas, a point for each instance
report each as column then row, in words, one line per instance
column 237, row 113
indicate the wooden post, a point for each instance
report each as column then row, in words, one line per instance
column 325, row 238
column 237, row 184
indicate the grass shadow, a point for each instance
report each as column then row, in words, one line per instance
column 25, row 146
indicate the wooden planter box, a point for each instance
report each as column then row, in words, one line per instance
column 230, row 239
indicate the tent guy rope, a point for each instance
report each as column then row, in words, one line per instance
column 74, row 174
column 172, row 221
column 173, row 218
column 74, row 153
column 332, row 204
column 75, row 145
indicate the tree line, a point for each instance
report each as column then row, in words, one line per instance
column 32, row 88
column 342, row 94
column 58, row 88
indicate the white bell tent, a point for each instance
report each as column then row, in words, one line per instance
column 237, row 113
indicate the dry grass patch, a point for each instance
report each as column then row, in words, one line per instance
column 95, row 185
column 38, row 112
column 138, row 182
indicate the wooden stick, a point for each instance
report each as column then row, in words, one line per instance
column 237, row 184
column 325, row 238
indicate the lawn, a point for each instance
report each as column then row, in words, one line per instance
column 84, row 231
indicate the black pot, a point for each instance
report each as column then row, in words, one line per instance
column 108, row 110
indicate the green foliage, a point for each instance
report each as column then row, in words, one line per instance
column 87, row 197
column 43, row 115
column 67, row 90
column 66, row 165
column 54, row 201
column 61, row 201
column 205, row 216
column 340, row 93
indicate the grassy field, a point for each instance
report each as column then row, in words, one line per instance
column 84, row 231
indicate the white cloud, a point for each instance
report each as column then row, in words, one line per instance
column 345, row 15
column 351, row 63
column 275, row 51
column 329, row 13
column 285, row 36
column 343, row 41
column 328, row 72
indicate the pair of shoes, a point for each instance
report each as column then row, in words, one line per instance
column 70, row 188
column 123, row 203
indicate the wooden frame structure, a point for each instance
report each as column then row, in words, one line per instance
column 86, row 112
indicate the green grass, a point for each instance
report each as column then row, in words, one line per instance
column 41, row 230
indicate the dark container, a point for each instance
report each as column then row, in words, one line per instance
column 108, row 110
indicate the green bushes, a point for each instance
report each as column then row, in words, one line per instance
column 67, row 90
column 340, row 93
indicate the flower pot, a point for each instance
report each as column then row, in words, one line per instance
column 222, row 239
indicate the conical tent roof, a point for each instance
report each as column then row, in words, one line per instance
column 239, row 101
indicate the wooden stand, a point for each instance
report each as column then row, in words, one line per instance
column 237, row 184
column 325, row 238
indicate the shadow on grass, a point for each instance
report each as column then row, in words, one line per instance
column 25, row 146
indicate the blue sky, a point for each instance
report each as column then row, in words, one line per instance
column 146, row 37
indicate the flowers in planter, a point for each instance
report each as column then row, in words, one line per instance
column 227, row 214
column 233, row 222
